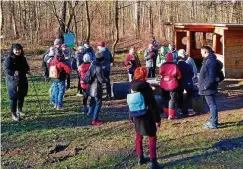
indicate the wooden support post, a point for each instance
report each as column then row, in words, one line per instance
column 204, row 39
column 188, row 43
column 214, row 42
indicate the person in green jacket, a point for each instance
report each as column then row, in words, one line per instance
column 161, row 56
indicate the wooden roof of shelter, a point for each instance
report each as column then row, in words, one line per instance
column 208, row 27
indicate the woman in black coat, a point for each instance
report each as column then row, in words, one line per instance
column 145, row 125
column 16, row 68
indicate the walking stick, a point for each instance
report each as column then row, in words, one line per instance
column 35, row 92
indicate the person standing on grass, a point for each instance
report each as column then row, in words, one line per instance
column 146, row 125
column 208, row 84
column 149, row 57
column 108, row 60
column 170, row 74
column 131, row 63
column 59, row 83
column 79, row 54
column 16, row 68
column 83, row 68
column 95, row 88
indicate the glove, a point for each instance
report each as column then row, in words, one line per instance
column 16, row 73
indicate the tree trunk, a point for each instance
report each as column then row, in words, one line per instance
column 62, row 19
column 137, row 18
column 1, row 18
column 116, row 19
column 88, row 21
column 151, row 25
column 15, row 30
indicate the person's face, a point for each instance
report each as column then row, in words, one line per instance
column 86, row 45
column 204, row 53
column 151, row 46
column 131, row 51
column 17, row 52
column 81, row 51
column 58, row 46
column 64, row 48
column 171, row 47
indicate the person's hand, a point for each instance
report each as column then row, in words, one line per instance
column 16, row 73
column 158, row 124
column 131, row 120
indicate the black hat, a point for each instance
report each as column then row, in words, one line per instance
column 17, row 46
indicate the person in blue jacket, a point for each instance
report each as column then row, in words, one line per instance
column 16, row 68
column 208, row 84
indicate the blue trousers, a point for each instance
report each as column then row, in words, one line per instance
column 58, row 90
column 95, row 106
column 210, row 99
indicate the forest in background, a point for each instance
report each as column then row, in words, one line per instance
column 40, row 22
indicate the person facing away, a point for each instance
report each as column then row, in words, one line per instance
column 208, row 86
column 79, row 54
column 58, row 85
column 83, row 69
column 89, row 50
column 15, row 69
column 185, row 83
column 173, row 51
column 170, row 74
column 149, row 55
column 95, row 89
column 131, row 62
column 161, row 56
column 57, row 44
column 146, row 125
column 108, row 61
column 67, row 58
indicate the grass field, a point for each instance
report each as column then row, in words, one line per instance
column 65, row 139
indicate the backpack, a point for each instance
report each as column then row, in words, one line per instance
column 53, row 72
column 219, row 72
column 88, row 79
column 136, row 104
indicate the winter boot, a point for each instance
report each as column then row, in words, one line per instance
column 172, row 114
column 143, row 160
column 166, row 112
column 155, row 164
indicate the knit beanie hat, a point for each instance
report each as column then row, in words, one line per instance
column 59, row 54
column 181, row 53
column 57, row 42
column 101, row 43
column 86, row 58
column 140, row 73
column 169, row 57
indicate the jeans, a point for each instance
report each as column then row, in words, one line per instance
column 152, row 145
column 14, row 103
column 95, row 106
column 169, row 99
column 108, row 83
column 150, row 72
column 58, row 93
column 210, row 99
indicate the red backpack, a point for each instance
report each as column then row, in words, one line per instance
column 82, row 73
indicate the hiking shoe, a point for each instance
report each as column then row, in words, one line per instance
column 96, row 123
column 143, row 160
column 209, row 125
column 15, row 117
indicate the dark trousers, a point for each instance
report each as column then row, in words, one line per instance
column 170, row 98
column 188, row 101
column 79, row 90
column 14, row 103
column 85, row 97
column 213, row 109
column 95, row 106
column 68, row 82
column 152, row 145
column 108, row 83
column 150, row 72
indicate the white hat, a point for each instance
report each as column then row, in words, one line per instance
column 181, row 52
column 86, row 58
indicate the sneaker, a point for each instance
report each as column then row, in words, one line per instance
column 15, row 118
column 143, row 160
column 59, row 108
column 209, row 125
column 96, row 123
column 191, row 113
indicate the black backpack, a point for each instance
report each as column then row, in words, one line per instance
column 88, row 79
column 219, row 72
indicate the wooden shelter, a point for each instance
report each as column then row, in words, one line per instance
column 225, row 39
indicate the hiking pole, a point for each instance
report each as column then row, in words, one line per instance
column 35, row 92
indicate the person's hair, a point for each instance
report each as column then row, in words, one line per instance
column 208, row 49
column 16, row 46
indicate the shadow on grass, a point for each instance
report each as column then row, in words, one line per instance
column 223, row 145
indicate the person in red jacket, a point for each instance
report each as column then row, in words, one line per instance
column 131, row 62
column 170, row 74
column 83, row 69
column 63, row 71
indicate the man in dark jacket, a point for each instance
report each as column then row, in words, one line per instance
column 95, row 88
column 150, row 58
column 208, row 84
column 16, row 68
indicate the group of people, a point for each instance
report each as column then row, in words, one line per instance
column 178, row 73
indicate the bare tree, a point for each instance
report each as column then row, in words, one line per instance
column 117, row 28
column 88, row 21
